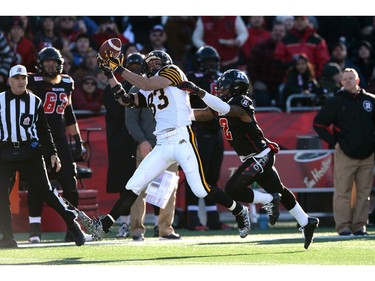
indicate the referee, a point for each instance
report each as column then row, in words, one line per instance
column 25, row 141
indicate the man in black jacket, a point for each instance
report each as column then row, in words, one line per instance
column 347, row 123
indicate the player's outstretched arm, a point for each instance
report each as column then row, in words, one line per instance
column 212, row 101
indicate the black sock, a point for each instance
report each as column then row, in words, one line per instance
column 106, row 223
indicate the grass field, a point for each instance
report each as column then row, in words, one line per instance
column 279, row 247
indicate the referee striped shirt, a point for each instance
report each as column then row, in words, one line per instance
column 19, row 117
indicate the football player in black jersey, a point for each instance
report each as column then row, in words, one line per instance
column 209, row 139
column 237, row 118
column 55, row 90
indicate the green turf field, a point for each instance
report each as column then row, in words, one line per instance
column 281, row 244
column 273, row 254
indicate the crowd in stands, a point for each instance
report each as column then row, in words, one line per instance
column 282, row 55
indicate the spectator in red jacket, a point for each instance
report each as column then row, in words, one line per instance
column 225, row 34
column 87, row 96
column 23, row 49
column 107, row 29
column 257, row 32
column 264, row 70
column 302, row 38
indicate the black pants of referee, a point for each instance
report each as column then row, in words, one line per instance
column 66, row 178
column 34, row 172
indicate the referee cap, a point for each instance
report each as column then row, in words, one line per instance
column 18, row 70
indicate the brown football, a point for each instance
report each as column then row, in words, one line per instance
column 112, row 44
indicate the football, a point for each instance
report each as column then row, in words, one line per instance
column 112, row 44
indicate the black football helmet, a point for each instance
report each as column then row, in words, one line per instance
column 49, row 53
column 207, row 60
column 161, row 55
column 232, row 82
column 137, row 59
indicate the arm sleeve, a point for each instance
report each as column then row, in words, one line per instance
column 216, row 104
column 70, row 117
column 241, row 31
column 197, row 36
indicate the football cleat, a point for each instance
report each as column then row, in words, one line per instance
column 77, row 233
column 272, row 208
column 308, row 230
column 243, row 221
column 92, row 226
column 123, row 231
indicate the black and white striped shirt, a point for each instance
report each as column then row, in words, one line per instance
column 22, row 119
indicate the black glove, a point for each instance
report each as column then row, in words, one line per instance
column 115, row 63
column 79, row 148
column 189, row 87
column 103, row 65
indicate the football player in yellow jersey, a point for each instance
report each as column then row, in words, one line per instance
column 175, row 139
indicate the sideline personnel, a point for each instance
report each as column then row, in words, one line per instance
column 25, row 141
column 347, row 123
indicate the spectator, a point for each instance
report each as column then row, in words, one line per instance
column 82, row 46
column 266, row 80
column 88, row 67
column 107, row 29
column 302, row 38
column 364, row 61
column 23, row 49
column 138, row 25
column 179, row 30
column 329, row 83
column 29, row 25
column 67, row 30
column 257, row 32
column 6, row 56
column 368, row 31
column 300, row 78
column 287, row 21
column 340, row 56
column 344, row 29
column 87, row 96
column 68, row 62
column 346, row 122
column 225, row 34
column 87, row 25
column 130, row 48
column 46, row 36
column 158, row 41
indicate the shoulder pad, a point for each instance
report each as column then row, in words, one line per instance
column 66, row 79
column 173, row 73
column 37, row 78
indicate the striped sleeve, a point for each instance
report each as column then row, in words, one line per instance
column 173, row 73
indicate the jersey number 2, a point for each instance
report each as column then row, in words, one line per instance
column 224, row 124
